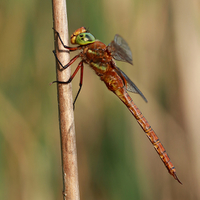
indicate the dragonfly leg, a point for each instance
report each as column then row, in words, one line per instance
column 80, row 65
column 80, row 83
column 68, row 64
column 65, row 46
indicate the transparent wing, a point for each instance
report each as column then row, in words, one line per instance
column 120, row 50
column 129, row 85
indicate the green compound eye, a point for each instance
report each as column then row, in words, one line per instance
column 85, row 38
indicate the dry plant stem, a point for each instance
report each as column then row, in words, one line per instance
column 65, row 106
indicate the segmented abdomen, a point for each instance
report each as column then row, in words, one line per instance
column 126, row 99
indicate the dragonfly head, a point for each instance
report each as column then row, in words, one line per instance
column 82, row 37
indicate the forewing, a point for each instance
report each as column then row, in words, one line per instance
column 129, row 85
column 120, row 50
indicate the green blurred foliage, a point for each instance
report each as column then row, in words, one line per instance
column 115, row 159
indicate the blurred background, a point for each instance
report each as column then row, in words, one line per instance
column 115, row 159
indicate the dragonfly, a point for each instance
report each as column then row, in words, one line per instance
column 101, row 59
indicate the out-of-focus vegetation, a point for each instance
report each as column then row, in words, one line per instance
column 115, row 159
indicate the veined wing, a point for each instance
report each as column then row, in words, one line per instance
column 120, row 50
column 129, row 85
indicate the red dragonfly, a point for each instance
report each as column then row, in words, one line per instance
column 101, row 59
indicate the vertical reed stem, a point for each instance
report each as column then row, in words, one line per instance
column 65, row 107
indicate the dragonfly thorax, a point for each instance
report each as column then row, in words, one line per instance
column 96, row 53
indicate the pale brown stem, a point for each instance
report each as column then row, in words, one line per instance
column 65, row 107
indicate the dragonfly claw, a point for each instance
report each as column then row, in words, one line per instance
column 176, row 177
